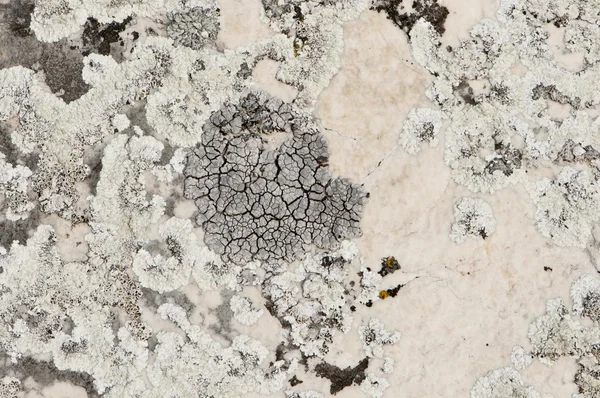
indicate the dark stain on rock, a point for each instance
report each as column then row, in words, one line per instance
column 465, row 91
column 294, row 381
column 429, row 10
column 19, row 230
column 45, row 373
column 342, row 378
column 98, row 37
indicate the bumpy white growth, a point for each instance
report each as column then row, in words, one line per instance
column 421, row 125
column 554, row 335
column 121, row 201
column 374, row 337
column 503, row 383
column 582, row 289
column 61, row 131
column 374, row 386
column 243, row 310
column 53, row 20
column 501, row 122
column 167, row 274
column 520, row 358
column 303, row 394
column 199, row 366
column 567, row 207
column 474, row 219
column 173, row 169
column 14, row 187
column 41, row 295
column 369, row 284
column 315, row 311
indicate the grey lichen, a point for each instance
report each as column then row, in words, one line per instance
column 268, row 204
column 194, row 27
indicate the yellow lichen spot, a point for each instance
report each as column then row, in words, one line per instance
column 383, row 294
column 391, row 262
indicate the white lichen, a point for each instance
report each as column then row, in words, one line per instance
column 243, row 310
column 503, row 383
column 421, row 126
column 374, row 337
column 474, row 219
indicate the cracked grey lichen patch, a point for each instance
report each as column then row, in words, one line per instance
column 556, row 334
column 194, row 27
column 256, row 203
column 473, row 219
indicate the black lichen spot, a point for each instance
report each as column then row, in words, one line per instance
column 429, row 10
column 500, row 93
column 369, row 303
column 394, row 291
column 19, row 17
column 389, row 265
column 507, row 159
column 483, row 234
column 342, row 378
column 98, row 37
column 465, row 91
column 294, row 381
column 328, row 261
column 547, row 269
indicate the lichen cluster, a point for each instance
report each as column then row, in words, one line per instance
column 498, row 90
column 558, row 333
column 158, row 113
column 154, row 203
